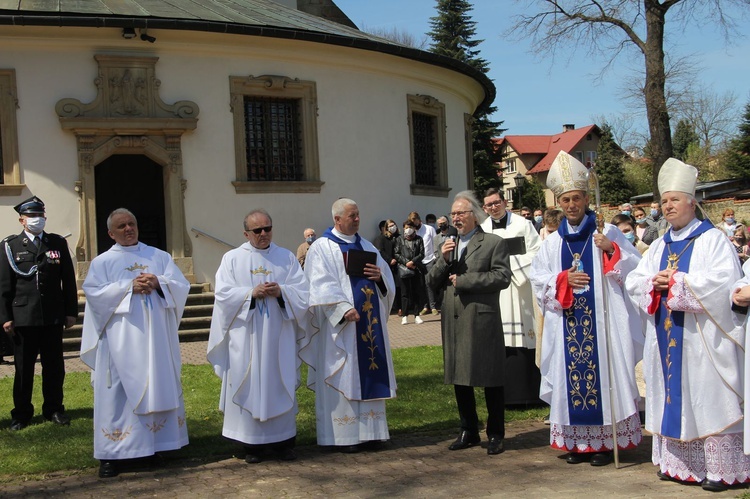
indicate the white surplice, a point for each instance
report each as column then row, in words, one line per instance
column 253, row 343
column 516, row 301
column 712, row 361
column 130, row 341
column 626, row 336
column 741, row 321
column 331, row 349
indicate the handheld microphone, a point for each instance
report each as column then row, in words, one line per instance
column 451, row 235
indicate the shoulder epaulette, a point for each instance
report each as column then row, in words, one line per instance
column 10, row 238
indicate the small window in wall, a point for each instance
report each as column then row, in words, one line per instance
column 579, row 156
column 10, row 170
column 591, row 161
column 275, row 133
column 428, row 150
column 510, row 166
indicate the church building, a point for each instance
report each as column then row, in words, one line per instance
column 190, row 114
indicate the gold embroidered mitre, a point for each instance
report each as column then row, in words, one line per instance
column 567, row 174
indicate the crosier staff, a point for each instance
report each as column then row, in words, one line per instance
column 594, row 185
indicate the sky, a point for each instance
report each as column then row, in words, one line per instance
column 538, row 95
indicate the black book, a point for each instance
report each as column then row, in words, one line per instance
column 356, row 260
column 516, row 245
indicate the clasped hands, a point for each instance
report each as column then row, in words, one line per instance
column 661, row 280
column 267, row 289
column 144, row 284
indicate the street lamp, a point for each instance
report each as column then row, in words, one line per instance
column 520, row 180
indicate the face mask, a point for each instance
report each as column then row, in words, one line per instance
column 630, row 236
column 442, row 227
column 35, row 225
column 654, row 212
column 392, row 229
column 538, row 219
column 409, row 232
column 310, row 239
column 640, row 221
column 626, row 212
column 729, row 220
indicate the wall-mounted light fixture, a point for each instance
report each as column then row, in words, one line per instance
column 128, row 33
column 146, row 37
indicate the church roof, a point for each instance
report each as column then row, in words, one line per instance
column 244, row 17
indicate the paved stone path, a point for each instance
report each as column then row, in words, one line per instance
column 417, row 465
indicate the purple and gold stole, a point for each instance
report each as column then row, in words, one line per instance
column 373, row 362
column 579, row 327
column 670, row 328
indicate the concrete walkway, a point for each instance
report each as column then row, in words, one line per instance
column 416, row 465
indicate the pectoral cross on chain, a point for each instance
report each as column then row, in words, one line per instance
column 672, row 261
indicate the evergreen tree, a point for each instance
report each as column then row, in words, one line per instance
column 452, row 34
column 684, row 136
column 613, row 188
column 532, row 195
column 737, row 159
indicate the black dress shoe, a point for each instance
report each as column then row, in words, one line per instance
column 373, row 445
column 577, row 457
column 348, row 449
column 287, row 454
column 108, row 469
column 601, row 459
column 714, row 485
column 60, row 418
column 464, row 441
column 495, row 446
column 665, row 477
column 17, row 425
column 251, row 458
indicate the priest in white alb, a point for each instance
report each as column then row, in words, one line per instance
column 693, row 357
column 260, row 302
column 519, row 326
column 348, row 350
column 135, row 296
column 578, row 279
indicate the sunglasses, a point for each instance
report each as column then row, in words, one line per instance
column 261, row 229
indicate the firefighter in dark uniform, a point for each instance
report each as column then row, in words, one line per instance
column 38, row 298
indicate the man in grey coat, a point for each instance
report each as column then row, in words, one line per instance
column 475, row 268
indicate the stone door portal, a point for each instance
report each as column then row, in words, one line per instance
column 129, row 143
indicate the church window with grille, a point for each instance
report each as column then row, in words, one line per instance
column 428, row 150
column 276, row 138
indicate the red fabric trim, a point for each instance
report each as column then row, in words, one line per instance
column 654, row 305
column 610, row 261
column 564, row 292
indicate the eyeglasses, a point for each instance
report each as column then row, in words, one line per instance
column 459, row 213
column 261, row 229
column 493, row 204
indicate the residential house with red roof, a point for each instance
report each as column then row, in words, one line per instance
column 532, row 155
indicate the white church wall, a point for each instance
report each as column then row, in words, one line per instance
column 363, row 134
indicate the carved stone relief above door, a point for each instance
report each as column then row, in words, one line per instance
column 129, row 117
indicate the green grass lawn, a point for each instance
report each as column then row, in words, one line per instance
column 424, row 403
